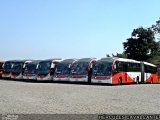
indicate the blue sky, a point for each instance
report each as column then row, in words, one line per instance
column 42, row 29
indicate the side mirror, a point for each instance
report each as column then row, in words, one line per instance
column 37, row 66
column 91, row 66
column 24, row 66
column 3, row 66
column 52, row 65
column 69, row 66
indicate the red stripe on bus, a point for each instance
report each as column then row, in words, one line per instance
column 78, row 76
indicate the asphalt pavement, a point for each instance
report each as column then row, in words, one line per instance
column 19, row 97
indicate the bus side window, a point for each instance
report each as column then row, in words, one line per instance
column 138, row 68
column 120, row 66
column 152, row 69
column 146, row 68
column 134, row 67
column 156, row 69
column 125, row 67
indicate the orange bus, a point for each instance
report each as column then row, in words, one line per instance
column 119, row 70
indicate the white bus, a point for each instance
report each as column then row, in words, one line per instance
column 30, row 70
column 7, row 69
column 120, row 70
column 18, row 68
column 63, row 70
column 46, row 69
column 1, row 68
column 81, row 70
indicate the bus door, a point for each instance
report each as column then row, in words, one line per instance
column 122, row 70
column 125, row 66
column 148, row 72
column 143, row 76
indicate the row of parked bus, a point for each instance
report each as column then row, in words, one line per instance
column 109, row 70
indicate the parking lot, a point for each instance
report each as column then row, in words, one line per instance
column 52, row 98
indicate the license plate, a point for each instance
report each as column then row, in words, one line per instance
column 99, row 81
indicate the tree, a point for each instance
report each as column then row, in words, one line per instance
column 142, row 45
column 156, row 27
column 107, row 55
column 156, row 30
column 120, row 55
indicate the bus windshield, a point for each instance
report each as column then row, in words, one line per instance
column 44, row 67
column 102, row 68
column 62, row 68
column 30, row 68
column 7, row 67
column 17, row 67
column 80, row 68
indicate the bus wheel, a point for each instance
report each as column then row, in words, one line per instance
column 120, row 81
column 137, row 80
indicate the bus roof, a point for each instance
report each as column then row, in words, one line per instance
column 17, row 60
column 52, row 60
column 128, row 60
column 111, row 59
column 150, row 64
column 86, row 59
column 69, row 60
column 35, row 62
column 107, row 59
column 13, row 61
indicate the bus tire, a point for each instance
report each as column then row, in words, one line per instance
column 120, row 81
column 137, row 80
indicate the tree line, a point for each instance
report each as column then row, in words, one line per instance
column 143, row 45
